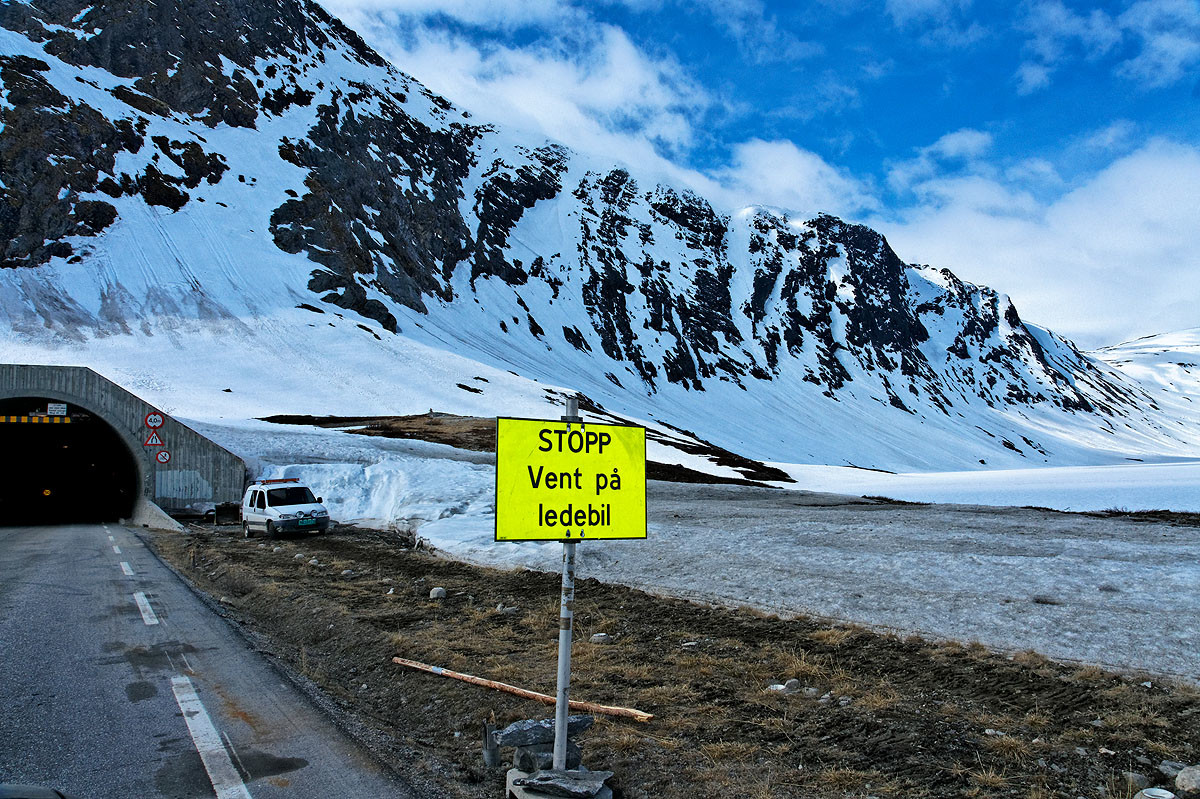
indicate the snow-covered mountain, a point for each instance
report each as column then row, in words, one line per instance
column 1168, row 365
column 241, row 194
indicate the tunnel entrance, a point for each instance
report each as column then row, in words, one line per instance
column 75, row 469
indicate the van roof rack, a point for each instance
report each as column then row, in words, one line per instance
column 280, row 480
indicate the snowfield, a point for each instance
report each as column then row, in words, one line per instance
column 1144, row 486
column 1109, row 591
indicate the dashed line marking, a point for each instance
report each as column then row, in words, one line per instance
column 125, row 567
column 116, row 549
column 144, row 606
column 221, row 772
column 111, row 539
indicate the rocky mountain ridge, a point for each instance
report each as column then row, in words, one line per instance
column 276, row 161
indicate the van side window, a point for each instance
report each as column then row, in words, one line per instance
column 259, row 502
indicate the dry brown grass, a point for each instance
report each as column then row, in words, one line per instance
column 1009, row 747
column 916, row 706
column 881, row 697
column 1030, row 658
column 1090, row 674
column 846, row 779
column 988, row 778
column 622, row 739
column 801, row 665
column 833, row 636
column 1161, row 749
column 1037, row 720
column 1116, row 787
column 673, row 693
column 1135, row 719
column 985, row 719
column 729, row 751
column 978, row 651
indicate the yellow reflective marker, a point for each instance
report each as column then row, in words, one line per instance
column 569, row 482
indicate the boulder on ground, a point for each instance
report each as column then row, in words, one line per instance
column 1187, row 782
column 541, row 756
column 539, row 731
column 573, row 784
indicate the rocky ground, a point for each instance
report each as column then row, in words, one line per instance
column 874, row 714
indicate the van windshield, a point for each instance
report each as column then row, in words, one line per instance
column 292, row 495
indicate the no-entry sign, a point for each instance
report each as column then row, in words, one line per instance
column 566, row 482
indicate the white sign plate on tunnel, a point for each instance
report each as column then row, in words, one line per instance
column 56, row 409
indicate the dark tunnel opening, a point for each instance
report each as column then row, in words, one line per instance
column 75, row 469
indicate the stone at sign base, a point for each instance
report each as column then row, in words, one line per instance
column 512, row 791
column 539, row 731
column 539, row 756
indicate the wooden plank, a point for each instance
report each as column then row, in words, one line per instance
column 586, row 707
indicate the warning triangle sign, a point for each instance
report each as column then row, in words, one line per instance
column 153, row 440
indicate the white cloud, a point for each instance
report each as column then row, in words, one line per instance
column 1111, row 137
column 1117, row 257
column 906, row 12
column 1034, row 172
column 1032, row 76
column 758, row 35
column 939, row 23
column 1169, row 33
column 964, row 143
column 503, row 14
column 961, row 147
column 1164, row 34
column 780, row 174
column 1053, row 27
column 597, row 92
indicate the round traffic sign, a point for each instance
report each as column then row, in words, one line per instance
column 154, row 420
column 163, row 456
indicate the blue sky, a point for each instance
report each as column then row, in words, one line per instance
column 1049, row 149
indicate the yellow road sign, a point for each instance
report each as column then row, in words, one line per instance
column 569, row 482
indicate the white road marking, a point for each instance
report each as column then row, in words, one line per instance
column 126, row 568
column 221, row 772
column 233, row 751
column 144, row 606
column 116, row 549
column 111, row 539
column 186, row 664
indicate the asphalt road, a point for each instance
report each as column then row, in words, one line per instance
column 117, row 681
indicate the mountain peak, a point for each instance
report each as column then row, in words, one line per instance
column 226, row 160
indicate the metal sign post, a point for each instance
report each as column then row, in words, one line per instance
column 556, row 484
column 566, row 624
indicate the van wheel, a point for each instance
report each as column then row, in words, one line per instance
column 246, row 530
column 270, row 530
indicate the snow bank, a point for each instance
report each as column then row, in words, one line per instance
column 1137, row 486
column 380, row 482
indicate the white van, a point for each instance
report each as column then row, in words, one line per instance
column 282, row 506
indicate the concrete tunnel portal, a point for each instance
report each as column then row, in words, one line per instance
column 79, row 448
column 73, row 467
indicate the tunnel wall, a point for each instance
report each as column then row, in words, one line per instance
column 199, row 473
